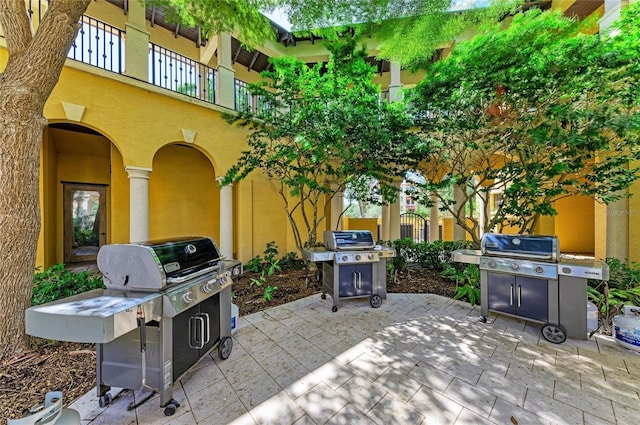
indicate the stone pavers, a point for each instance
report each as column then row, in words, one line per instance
column 418, row 359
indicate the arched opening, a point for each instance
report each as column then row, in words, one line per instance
column 184, row 199
column 75, row 188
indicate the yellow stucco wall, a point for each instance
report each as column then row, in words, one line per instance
column 183, row 195
column 574, row 224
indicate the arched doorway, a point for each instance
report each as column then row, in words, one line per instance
column 76, row 179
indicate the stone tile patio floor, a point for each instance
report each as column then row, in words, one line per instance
column 418, row 359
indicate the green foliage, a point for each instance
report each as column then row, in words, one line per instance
column 537, row 111
column 432, row 255
column 56, row 283
column 410, row 31
column 266, row 266
column 330, row 130
column 268, row 292
column 623, row 288
column 215, row 17
column 291, row 261
column 467, row 281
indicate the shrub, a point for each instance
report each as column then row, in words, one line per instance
column 56, row 282
column 623, row 288
column 467, row 281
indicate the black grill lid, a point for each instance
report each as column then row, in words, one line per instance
column 522, row 246
column 179, row 256
column 154, row 264
column 348, row 239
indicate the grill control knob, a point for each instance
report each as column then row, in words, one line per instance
column 187, row 297
column 539, row 269
column 207, row 287
column 492, row 263
column 344, row 258
column 358, row 257
column 223, row 279
column 370, row 256
column 566, row 270
column 515, row 266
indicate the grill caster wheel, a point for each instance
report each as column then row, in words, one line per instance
column 375, row 301
column 224, row 350
column 334, row 308
column 105, row 400
column 483, row 319
column 323, row 296
column 170, row 408
column 554, row 334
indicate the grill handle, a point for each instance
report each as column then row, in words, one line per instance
column 519, row 295
column 199, row 331
column 205, row 330
column 510, row 294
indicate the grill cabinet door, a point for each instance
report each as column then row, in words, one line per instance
column 522, row 296
column 501, row 292
column 355, row 280
column 533, row 295
column 183, row 355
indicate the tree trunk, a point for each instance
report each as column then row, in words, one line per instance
column 32, row 71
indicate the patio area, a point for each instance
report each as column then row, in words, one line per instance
column 418, row 359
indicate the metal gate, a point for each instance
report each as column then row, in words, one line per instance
column 414, row 226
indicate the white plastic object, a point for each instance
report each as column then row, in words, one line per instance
column 49, row 413
column 234, row 318
column 627, row 331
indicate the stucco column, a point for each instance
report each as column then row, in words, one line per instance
column 138, row 203
column 226, row 219
column 394, row 219
column 225, row 75
column 136, row 51
column 434, row 227
column 459, row 234
column 395, row 84
column 384, row 225
column 618, row 229
column 337, row 206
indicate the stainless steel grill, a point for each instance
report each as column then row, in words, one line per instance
column 166, row 305
column 352, row 265
column 527, row 277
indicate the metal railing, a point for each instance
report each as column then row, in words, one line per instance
column 245, row 101
column 99, row 44
column 178, row 73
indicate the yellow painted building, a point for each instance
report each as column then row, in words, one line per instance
column 125, row 145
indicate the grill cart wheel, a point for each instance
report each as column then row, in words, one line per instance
column 224, row 350
column 334, row 308
column 375, row 301
column 171, row 407
column 105, row 400
column 554, row 334
column 323, row 296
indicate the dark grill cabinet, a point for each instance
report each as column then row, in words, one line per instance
column 520, row 296
column 356, row 280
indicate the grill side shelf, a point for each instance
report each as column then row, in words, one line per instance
column 97, row 316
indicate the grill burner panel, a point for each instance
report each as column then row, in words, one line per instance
column 519, row 267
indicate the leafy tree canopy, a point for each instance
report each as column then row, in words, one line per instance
column 538, row 111
column 326, row 127
column 411, row 31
